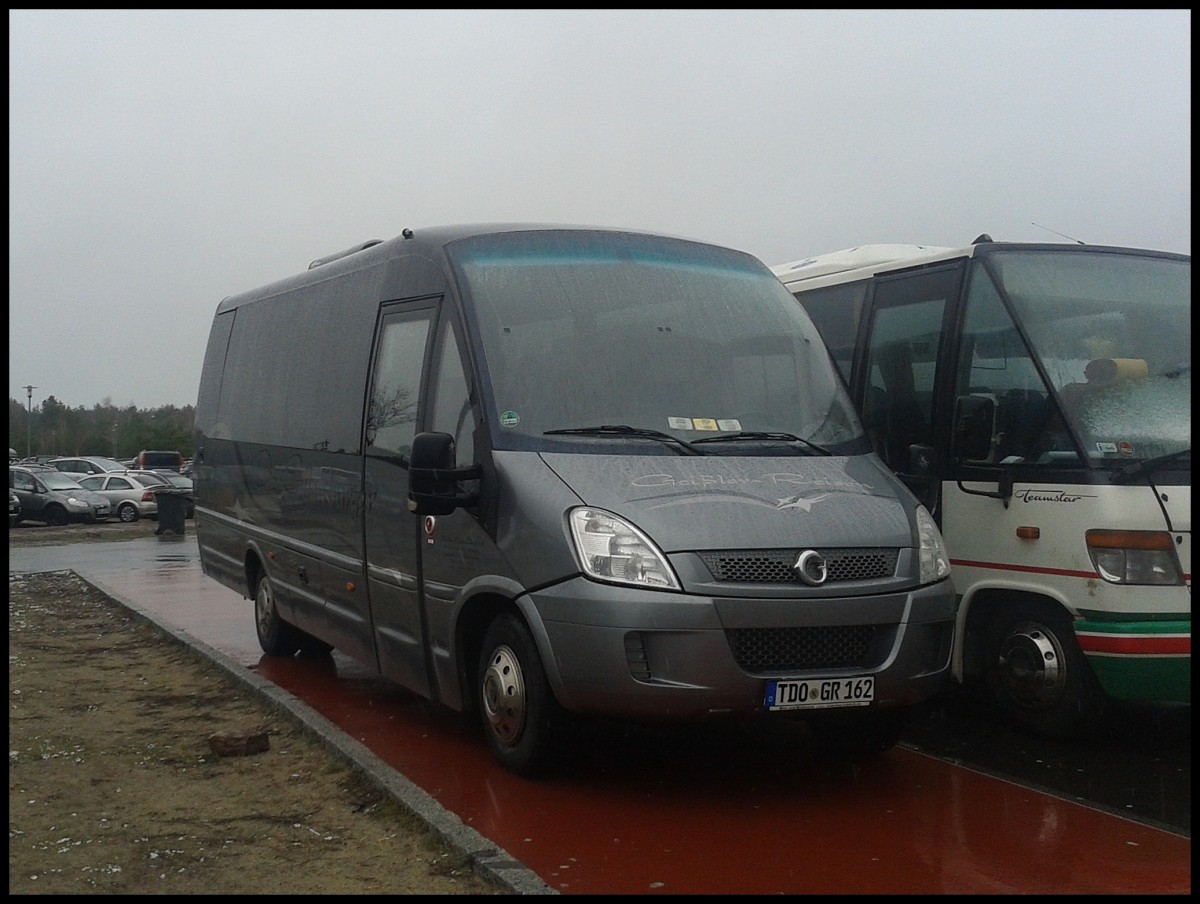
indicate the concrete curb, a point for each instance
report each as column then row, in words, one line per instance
column 487, row 858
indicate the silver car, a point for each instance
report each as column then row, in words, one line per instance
column 54, row 498
column 85, row 465
column 130, row 494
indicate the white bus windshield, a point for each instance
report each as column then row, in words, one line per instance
column 1112, row 331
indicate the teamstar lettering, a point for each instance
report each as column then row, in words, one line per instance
column 1051, row 496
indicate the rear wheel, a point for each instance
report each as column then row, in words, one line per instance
column 275, row 636
column 55, row 516
column 1037, row 676
column 127, row 513
column 518, row 710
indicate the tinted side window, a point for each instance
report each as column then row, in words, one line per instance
column 396, row 387
column 994, row 362
column 296, row 365
column 450, row 405
column 836, row 310
column 902, row 360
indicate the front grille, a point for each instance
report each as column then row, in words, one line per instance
column 796, row 649
column 774, row 566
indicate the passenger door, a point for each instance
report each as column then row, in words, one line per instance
column 391, row 541
column 901, row 368
column 416, row 567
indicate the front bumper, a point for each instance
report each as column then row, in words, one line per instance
column 1143, row 661
column 631, row 653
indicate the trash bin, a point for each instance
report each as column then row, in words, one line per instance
column 172, row 510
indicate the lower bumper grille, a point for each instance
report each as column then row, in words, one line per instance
column 796, row 649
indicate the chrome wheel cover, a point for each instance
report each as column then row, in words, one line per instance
column 1032, row 666
column 504, row 695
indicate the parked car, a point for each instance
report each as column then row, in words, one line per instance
column 14, row 509
column 38, row 460
column 130, row 494
column 86, row 465
column 52, row 497
column 157, row 460
column 181, row 483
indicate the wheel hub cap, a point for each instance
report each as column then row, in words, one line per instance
column 504, row 695
column 1032, row 666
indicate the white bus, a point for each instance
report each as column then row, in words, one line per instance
column 1037, row 399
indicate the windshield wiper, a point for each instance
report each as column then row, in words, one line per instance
column 762, row 436
column 1128, row 472
column 675, row 442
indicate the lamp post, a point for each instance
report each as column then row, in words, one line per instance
column 114, row 441
column 29, row 422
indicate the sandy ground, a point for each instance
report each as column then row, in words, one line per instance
column 113, row 786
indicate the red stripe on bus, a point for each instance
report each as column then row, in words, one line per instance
column 1143, row 644
column 1031, row 569
column 1034, row 569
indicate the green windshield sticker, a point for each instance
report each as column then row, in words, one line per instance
column 509, row 419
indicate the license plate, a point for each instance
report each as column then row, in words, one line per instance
column 820, row 693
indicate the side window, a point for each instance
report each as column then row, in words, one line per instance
column 450, row 402
column 396, row 386
column 901, row 362
column 21, row 481
column 994, row 363
column 836, row 311
column 117, row 483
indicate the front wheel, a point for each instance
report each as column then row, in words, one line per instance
column 275, row 636
column 56, row 516
column 1036, row 675
column 518, row 710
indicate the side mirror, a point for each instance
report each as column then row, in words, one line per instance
column 972, row 434
column 432, row 477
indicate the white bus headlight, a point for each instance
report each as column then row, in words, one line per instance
column 613, row 550
column 1134, row 556
column 935, row 560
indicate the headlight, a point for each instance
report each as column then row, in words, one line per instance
column 1134, row 556
column 613, row 550
column 935, row 560
column 77, row 503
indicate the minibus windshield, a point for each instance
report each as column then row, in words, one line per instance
column 1112, row 332
column 582, row 329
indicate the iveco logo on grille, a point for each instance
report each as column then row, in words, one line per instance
column 810, row 567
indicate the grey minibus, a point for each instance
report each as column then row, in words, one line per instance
column 538, row 473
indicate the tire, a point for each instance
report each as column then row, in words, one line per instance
column 1036, row 676
column 860, row 733
column 275, row 636
column 55, row 516
column 127, row 513
column 520, row 716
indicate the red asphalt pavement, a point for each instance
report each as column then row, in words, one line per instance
column 702, row 812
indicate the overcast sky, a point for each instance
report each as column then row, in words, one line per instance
column 162, row 160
